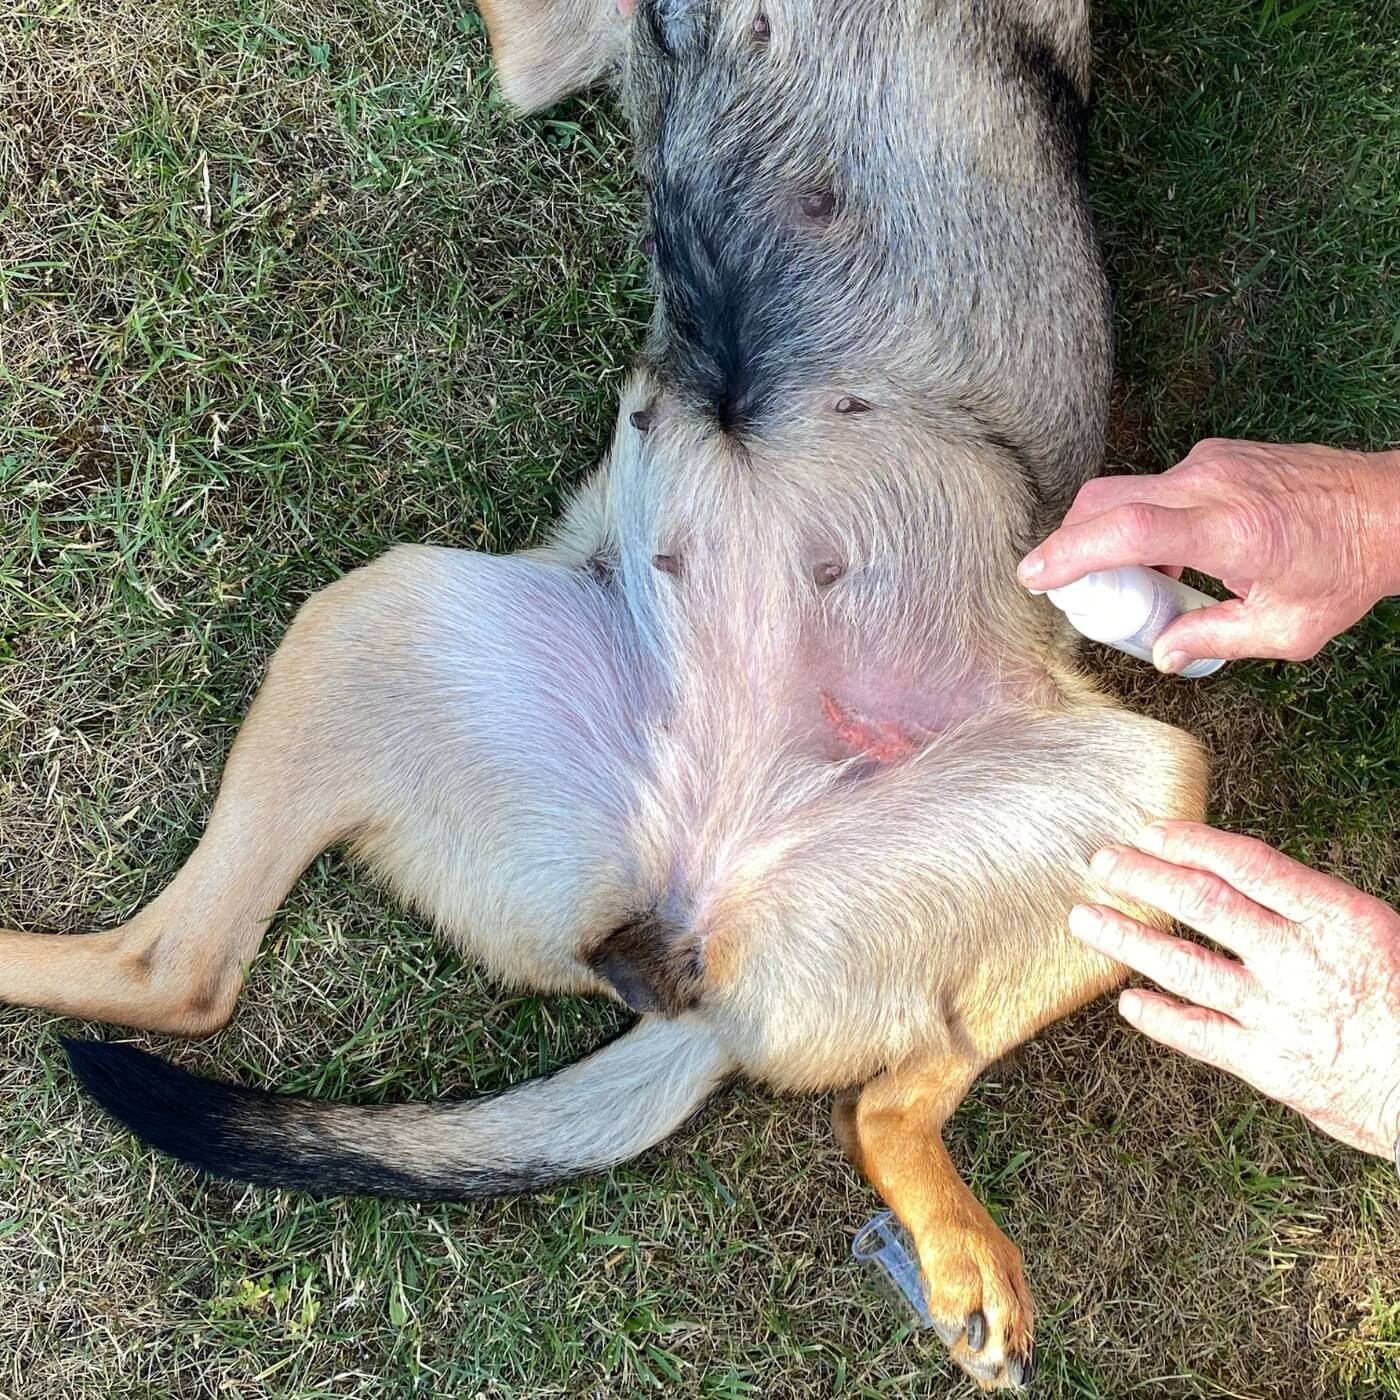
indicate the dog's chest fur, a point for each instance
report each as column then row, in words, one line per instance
column 879, row 204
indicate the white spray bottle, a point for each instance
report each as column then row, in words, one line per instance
column 1128, row 609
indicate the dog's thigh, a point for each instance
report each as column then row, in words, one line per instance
column 471, row 724
column 924, row 906
column 507, row 711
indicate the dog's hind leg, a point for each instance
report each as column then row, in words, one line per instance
column 973, row 1280
column 974, row 1284
column 997, row 860
column 466, row 722
column 892, row 1130
column 179, row 964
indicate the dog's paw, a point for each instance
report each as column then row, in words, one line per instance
column 980, row 1305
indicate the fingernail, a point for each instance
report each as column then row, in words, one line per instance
column 1129, row 1005
column 1032, row 566
column 1104, row 861
column 1086, row 923
column 1173, row 662
column 1151, row 838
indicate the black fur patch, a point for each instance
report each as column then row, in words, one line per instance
column 1065, row 107
column 265, row 1139
column 750, row 289
column 654, row 20
column 677, row 25
column 725, row 274
column 651, row 965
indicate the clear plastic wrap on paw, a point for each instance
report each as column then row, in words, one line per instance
column 886, row 1253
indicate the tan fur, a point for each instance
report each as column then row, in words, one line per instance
column 336, row 748
column 545, row 50
column 891, row 1131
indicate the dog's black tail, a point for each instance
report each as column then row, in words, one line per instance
column 603, row 1110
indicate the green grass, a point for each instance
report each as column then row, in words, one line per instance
column 280, row 285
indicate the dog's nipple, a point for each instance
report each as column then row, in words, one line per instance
column 849, row 404
column 667, row 563
column 824, row 575
column 760, row 27
column 641, row 418
column 817, row 205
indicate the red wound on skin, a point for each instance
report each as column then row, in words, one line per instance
column 881, row 741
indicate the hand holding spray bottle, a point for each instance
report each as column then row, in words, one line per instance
column 1129, row 608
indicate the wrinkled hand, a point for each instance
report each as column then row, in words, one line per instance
column 1309, row 1015
column 1308, row 538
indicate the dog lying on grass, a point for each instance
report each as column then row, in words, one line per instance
column 766, row 742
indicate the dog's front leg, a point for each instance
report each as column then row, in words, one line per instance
column 892, row 1130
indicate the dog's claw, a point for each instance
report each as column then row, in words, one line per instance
column 1020, row 1369
column 977, row 1331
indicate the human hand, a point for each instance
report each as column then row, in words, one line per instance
column 1308, row 538
column 1310, row 1015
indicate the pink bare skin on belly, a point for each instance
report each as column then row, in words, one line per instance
column 886, row 719
column 881, row 741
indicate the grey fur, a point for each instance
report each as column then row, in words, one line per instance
column 958, row 276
